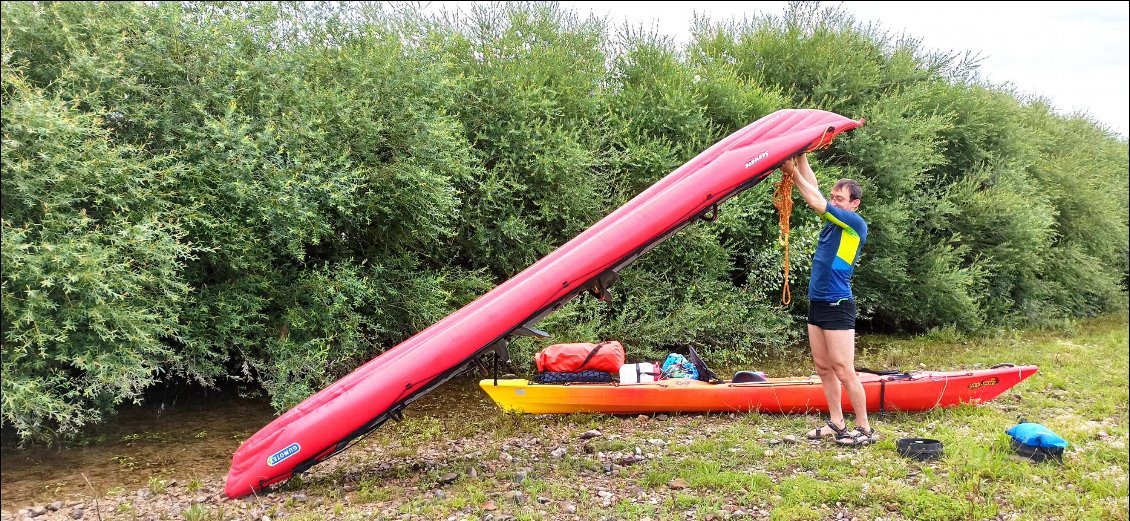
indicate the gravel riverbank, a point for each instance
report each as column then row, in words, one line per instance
column 497, row 479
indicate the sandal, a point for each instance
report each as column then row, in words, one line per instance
column 822, row 431
column 858, row 437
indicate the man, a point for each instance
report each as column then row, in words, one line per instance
column 831, row 312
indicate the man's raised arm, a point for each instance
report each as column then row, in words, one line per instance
column 806, row 183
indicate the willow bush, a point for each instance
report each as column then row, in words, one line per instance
column 272, row 194
column 964, row 230
column 93, row 255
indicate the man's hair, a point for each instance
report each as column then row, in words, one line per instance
column 853, row 188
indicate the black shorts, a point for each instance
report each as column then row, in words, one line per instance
column 832, row 315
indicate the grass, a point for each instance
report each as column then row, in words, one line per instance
column 157, row 486
column 198, row 513
column 716, row 466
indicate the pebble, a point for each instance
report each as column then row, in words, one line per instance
column 630, row 460
column 594, row 433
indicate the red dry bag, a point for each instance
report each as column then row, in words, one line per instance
column 569, row 358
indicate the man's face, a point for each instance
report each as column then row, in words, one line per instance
column 841, row 198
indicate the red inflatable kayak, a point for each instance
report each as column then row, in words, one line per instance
column 329, row 420
column 915, row 391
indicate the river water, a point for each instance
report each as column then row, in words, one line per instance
column 186, row 438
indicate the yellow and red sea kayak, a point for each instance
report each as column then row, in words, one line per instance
column 913, row 391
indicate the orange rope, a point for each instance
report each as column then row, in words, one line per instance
column 783, row 200
column 820, row 143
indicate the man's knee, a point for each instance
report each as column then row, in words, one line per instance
column 845, row 372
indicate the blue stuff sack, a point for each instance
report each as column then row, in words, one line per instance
column 1036, row 442
column 677, row 366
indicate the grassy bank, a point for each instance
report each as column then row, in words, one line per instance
column 489, row 465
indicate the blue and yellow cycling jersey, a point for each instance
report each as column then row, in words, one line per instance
column 841, row 240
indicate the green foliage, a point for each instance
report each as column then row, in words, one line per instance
column 530, row 113
column 93, row 261
column 272, row 194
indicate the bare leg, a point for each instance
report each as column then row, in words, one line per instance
column 840, row 348
column 825, row 369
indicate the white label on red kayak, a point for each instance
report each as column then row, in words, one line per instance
column 281, row 455
column 763, row 155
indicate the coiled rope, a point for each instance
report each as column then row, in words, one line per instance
column 783, row 201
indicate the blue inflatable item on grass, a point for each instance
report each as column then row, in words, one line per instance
column 1036, row 442
column 677, row 366
column 1036, row 435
